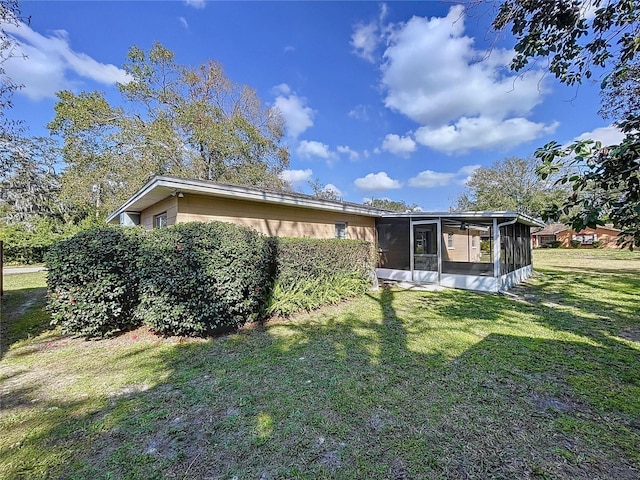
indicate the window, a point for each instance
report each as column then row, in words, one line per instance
column 341, row 230
column 474, row 241
column 586, row 239
column 160, row 221
column 449, row 240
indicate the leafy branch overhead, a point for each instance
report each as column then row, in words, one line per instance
column 177, row 120
column 576, row 38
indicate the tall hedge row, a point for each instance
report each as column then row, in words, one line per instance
column 195, row 279
column 93, row 281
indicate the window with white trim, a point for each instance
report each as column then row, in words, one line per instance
column 449, row 240
column 160, row 220
column 341, row 229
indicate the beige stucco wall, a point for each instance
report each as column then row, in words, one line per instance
column 462, row 250
column 169, row 205
column 270, row 219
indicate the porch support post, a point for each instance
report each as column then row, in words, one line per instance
column 411, row 255
column 496, row 249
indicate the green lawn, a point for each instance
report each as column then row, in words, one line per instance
column 396, row 384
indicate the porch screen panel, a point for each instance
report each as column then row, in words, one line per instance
column 394, row 243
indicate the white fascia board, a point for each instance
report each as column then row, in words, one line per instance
column 526, row 219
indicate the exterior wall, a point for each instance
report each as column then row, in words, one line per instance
column 169, row 205
column 609, row 237
column 462, row 250
column 274, row 220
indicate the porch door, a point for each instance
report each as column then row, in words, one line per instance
column 424, row 251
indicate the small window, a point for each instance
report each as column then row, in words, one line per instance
column 160, row 221
column 341, row 230
column 449, row 240
column 474, row 241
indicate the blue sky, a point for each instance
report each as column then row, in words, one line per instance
column 399, row 100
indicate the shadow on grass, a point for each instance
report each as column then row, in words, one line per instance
column 22, row 316
column 355, row 391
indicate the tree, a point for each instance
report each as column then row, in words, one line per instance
column 605, row 179
column 9, row 129
column 391, row 205
column 322, row 191
column 30, row 189
column 174, row 120
column 510, row 184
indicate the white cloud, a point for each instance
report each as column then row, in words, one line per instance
column 482, row 133
column 402, row 146
column 297, row 115
column 51, row 62
column 289, row 49
column 198, row 4
column 433, row 74
column 310, row 148
column 376, row 182
column 183, row 22
column 431, row 179
column 610, row 135
column 359, row 112
column 296, row 176
column 364, row 40
column 353, row 155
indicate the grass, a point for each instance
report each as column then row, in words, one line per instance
column 396, row 384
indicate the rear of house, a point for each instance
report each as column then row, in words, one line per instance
column 444, row 248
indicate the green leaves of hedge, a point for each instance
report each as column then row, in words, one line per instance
column 195, row 279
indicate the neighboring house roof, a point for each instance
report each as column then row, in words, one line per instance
column 161, row 187
column 555, row 228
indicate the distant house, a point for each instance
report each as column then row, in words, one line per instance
column 423, row 247
column 559, row 232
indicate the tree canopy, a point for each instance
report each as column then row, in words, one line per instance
column 510, row 184
column 392, row 205
column 174, row 119
column 576, row 42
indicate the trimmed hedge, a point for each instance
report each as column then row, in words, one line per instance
column 93, row 283
column 314, row 272
column 198, row 279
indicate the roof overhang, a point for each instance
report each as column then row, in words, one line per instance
column 159, row 188
column 470, row 217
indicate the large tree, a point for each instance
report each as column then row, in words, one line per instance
column 578, row 39
column 391, row 205
column 174, row 119
column 510, row 184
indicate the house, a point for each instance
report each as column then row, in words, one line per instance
column 559, row 232
column 424, row 247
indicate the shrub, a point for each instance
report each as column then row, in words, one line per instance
column 555, row 244
column 485, row 246
column 313, row 272
column 198, row 279
column 575, row 243
column 598, row 244
column 92, row 281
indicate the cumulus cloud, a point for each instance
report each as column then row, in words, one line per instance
column 482, row 133
column 402, row 146
column 51, row 64
column 610, row 135
column 297, row 115
column 431, row 179
column 376, row 182
column 197, row 4
column 433, row 73
column 353, row 155
column 296, row 176
column 359, row 112
column 309, row 149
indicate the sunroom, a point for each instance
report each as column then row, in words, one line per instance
column 484, row 251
